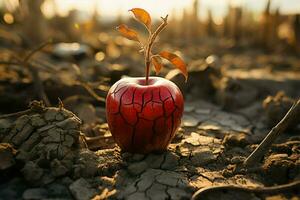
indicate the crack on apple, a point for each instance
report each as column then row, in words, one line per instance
column 140, row 112
column 120, row 100
column 132, row 100
column 149, row 101
column 117, row 90
column 137, row 121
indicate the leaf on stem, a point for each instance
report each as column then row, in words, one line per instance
column 157, row 64
column 128, row 33
column 142, row 16
column 176, row 61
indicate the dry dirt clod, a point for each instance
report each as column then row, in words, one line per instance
column 82, row 190
column 154, row 160
column 202, row 157
column 277, row 167
column 198, row 70
column 35, row 193
column 137, row 168
column 189, row 121
column 171, row 161
column 276, row 107
column 86, row 164
column 7, row 156
column 235, row 140
column 157, row 191
column 176, row 193
column 32, row 173
column 4, row 127
column 233, row 93
column 47, row 140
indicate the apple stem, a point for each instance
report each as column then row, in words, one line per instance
column 151, row 40
column 147, row 71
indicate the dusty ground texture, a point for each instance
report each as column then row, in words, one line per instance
column 53, row 153
column 44, row 159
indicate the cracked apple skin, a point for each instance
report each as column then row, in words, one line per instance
column 144, row 118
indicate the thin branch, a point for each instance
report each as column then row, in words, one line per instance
column 150, row 44
column 92, row 92
column 16, row 114
column 13, row 55
column 85, row 85
column 34, row 51
column 9, row 63
column 155, row 34
column 44, row 64
column 260, row 151
column 95, row 142
column 38, row 84
column 19, row 60
column 256, row 190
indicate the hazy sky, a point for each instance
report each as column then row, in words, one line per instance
column 158, row 8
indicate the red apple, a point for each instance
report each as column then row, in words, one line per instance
column 143, row 114
column 144, row 117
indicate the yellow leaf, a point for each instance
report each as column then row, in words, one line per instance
column 157, row 65
column 142, row 16
column 176, row 61
column 128, row 33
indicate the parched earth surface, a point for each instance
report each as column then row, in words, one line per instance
column 51, row 153
column 43, row 157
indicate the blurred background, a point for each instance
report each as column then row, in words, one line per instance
column 243, row 59
column 273, row 25
column 224, row 43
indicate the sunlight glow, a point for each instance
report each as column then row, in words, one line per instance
column 114, row 8
column 110, row 9
column 8, row 18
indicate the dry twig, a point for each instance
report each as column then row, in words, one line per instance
column 260, row 151
column 35, row 106
column 16, row 114
column 38, row 85
column 270, row 190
